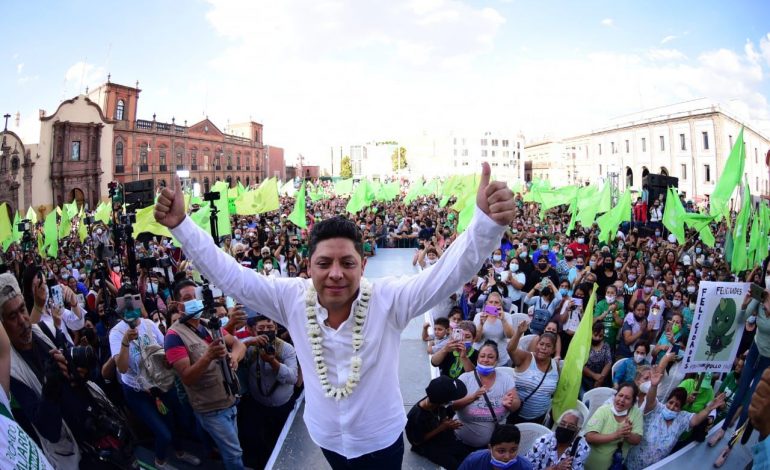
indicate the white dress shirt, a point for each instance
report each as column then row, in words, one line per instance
column 372, row 417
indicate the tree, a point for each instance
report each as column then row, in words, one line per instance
column 398, row 159
column 346, row 170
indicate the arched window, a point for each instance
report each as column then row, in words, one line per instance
column 248, row 180
column 229, row 159
column 162, row 158
column 179, row 158
column 119, row 110
column 238, row 160
column 119, row 154
column 206, row 184
column 194, row 159
column 143, row 155
column 4, row 164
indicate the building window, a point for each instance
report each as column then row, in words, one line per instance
column 662, row 143
column 179, row 158
column 612, row 148
column 505, row 143
column 120, row 110
column 683, row 171
column 483, row 153
column 682, row 142
column 493, row 153
column 628, row 147
column 143, row 155
column 75, row 151
column 162, row 157
column 644, row 144
column 4, row 164
column 465, row 152
column 705, row 140
column 600, row 149
column 238, row 161
column 730, row 138
column 217, row 160
column 756, row 155
column 229, row 160
column 506, row 154
column 707, row 173
column 494, row 142
column 484, row 142
column 194, row 158
column 119, row 154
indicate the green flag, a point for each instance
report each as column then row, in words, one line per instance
column 50, row 230
column 31, row 215
column 288, row 189
column 415, row 189
column 343, row 187
column 754, row 242
column 71, row 208
column 673, row 215
column 611, row 220
column 201, row 217
column 361, row 198
column 103, row 212
column 739, row 260
column 568, row 388
column 388, row 191
column 6, row 231
column 466, row 203
column 146, row 223
column 729, row 179
column 223, row 217
column 297, row 216
column 65, row 225
column 82, row 230
column 701, row 224
column 605, row 198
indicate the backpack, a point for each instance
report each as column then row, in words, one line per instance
column 540, row 318
column 154, row 371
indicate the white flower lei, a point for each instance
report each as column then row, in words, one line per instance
column 315, row 335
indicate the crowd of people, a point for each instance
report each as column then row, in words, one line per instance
column 156, row 349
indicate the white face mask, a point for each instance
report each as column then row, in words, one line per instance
column 430, row 261
column 116, row 269
column 269, row 267
column 610, row 299
column 638, row 358
column 676, row 302
column 691, row 289
column 618, row 413
column 581, row 240
column 98, row 231
column 644, row 387
column 514, row 267
column 496, row 258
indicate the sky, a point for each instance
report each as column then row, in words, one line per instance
column 322, row 73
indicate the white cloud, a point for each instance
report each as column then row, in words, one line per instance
column 665, row 54
column 764, row 48
column 82, row 75
column 668, row 38
column 609, row 22
column 19, row 68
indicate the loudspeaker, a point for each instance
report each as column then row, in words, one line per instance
column 657, row 185
column 139, row 185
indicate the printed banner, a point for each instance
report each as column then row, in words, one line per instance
column 715, row 334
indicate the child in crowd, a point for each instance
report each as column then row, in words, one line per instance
column 440, row 334
column 502, row 452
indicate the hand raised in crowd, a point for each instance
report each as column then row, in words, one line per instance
column 169, row 210
column 494, row 198
column 237, row 317
column 40, row 290
column 521, row 328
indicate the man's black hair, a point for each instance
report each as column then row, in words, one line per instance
column 181, row 285
column 127, row 289
column 336, row 227
column 441, row 321
column 505, row 433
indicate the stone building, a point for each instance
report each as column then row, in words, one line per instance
column 15, row 173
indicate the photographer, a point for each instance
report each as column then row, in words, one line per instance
column 46, row 406
column 153, row 403
column 272, row 374
column 196, row 357
column 52, row 312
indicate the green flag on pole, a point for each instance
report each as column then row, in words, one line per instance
column 701, row 224
column 361, row 198
column 31, row 215
column 65, row 225
column 739, row 261
column 298, row 216
column 611, row 220
column 6, row 231
column 103, row 212
column 223, row 217
column 673, row 215
column 201, row 217
column 343, row 187
column 50, row 230
column 729, row 179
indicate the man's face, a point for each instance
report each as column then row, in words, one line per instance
column 336, row 269
column 187, row 293
column 264, row 326
column 16, row 323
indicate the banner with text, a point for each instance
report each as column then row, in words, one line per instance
column 715, row 333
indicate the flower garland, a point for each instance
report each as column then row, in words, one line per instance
column 315, row 335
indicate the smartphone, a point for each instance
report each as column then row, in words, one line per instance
column 491, row 310
column 57, row 295
column 229, row 302
column 215, row 292
column 81, row 299
column 675, row 349
column 458, row 334
column 127, row 301
column 757, row 292
column 577, row 301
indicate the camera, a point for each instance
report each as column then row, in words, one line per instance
column 83, row 357
column 211, row 196
column 270, row 346
column 164, row 262
column 127, row 219
column 148, row 262
column 89, row 220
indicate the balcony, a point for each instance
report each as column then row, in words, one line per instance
column 180, row 167
column 163, row 168
column 218, row 167
column 119, row 168
column 229, row 168
column 238, row 168
column 143, row 168
column 248, row 168
column 194, row 167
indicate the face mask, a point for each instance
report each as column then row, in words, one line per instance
column 690, row 289
column 631, row 277
column 610, row 299
column 592, row 264
column 194, row 307
column 544, row 247
column 595, row 341
column 698, row 250
column 569, row 258
column 647, row 289
column 563, row 291
column 223, row 321
column 65, row 276
column 269, row 267
column 542, row 266
column 644, row 387
column 514, row 267
column 468, row 345
column 580, row 266
column 581, row 240
column 452, row 324
column 616, row 412
column 523, row 255
column 638, row 358
column 676, row 329
column 618, row 265
column 116, row 269
column 656, row 274
column 237, row 236
column 98, row 231
column 564, row 435
column 430, row 261
column 667, row 414
column 496, row 258
column 751, row 320
column 555, row 250
column 692, row 306
column 152, row 287
column 132, row 316
column 676, row 302
column 484, row 370
column 505, row 465
column 657, row 233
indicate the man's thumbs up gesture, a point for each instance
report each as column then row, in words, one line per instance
column 494, row 198
column 169, row 210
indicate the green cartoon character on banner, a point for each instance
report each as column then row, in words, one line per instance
column 719, row 335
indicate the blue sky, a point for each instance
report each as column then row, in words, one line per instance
column 328, row 72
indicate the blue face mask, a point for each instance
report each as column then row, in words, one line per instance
column 563, row 291
column 193, row 307
column 498, row 464
column 468, row 345
column 668, row 415
column 132, row 316
column 484, row 370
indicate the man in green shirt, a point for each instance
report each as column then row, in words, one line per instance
column 609, row 311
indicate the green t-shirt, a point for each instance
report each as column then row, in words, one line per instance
column 604, row 422
column 729, row 387
column 610, row 327
column 705, row 395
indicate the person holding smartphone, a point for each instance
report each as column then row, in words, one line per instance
column 53, row 307
column 496, row 325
